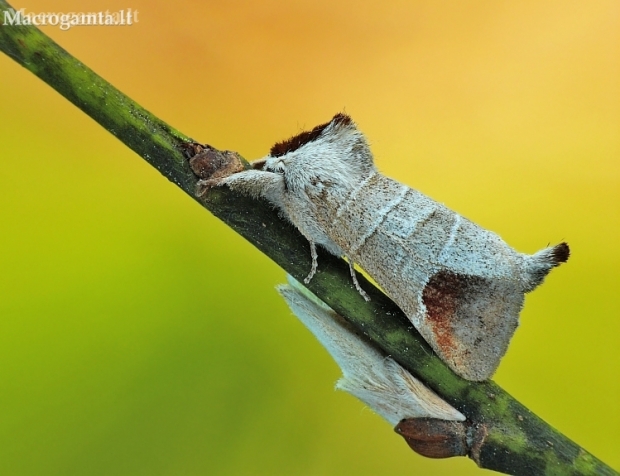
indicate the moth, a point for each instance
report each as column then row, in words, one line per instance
column 460, row 285
column 377, row 380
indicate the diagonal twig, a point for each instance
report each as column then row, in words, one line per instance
column 516, row 441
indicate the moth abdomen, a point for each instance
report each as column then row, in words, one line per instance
column 539, row 264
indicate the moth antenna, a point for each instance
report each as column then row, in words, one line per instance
column 315, row 262
column 355, row 281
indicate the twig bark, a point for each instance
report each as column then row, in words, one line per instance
column 512, row 439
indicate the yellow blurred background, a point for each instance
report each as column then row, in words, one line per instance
column 140, row 335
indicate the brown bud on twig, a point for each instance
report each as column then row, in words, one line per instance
column 211, row 165
column 434, row 438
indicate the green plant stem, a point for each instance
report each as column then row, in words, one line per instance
column 517, row 441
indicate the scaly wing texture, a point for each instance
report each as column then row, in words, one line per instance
column 460, row 285
column 375, row 379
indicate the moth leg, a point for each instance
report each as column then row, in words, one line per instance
column 315, row 262
column 257, row 183
column 355, row 282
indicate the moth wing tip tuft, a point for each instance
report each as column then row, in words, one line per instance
column 561, row 253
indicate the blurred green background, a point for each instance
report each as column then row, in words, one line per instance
column 139, row 335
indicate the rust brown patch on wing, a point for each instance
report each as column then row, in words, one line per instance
column 470, row 320
column 295, row 142
column 446, row 297
column 441, row 298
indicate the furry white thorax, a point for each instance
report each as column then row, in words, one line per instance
column 328, row 170
column 339, row 160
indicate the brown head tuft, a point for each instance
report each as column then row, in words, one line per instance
column 295, row 142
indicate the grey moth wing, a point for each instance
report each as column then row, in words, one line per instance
column 460, row 285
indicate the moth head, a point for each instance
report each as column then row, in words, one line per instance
column 334, row 154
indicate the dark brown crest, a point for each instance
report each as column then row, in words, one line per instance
column 295, row 142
